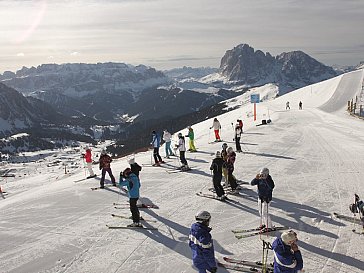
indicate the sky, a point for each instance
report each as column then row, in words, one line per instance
column 50, row 224
column 171, row 33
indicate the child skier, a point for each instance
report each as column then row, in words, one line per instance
column 224, row 156
column 265, row 185
column 216, row 167
column 217, row 126
column 231, row 156
column 287, row 256
column 88, row 158
column 135, row 167
column 201, row 244
column 167, row 137
column 131, row 181
column 104, row 165
column 191, row 136
column 181, row 146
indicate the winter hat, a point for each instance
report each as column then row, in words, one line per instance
column 131, row 160
column 126, row 172
column 218, row 154
column 264, row 172
column 153, row 132
column 288, row 237
column 179, row 134
column 230, row 150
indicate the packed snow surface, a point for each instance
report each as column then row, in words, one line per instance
column 50, row 224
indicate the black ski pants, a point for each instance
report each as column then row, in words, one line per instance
column 216, row 179
column 232, row 180
column 182, row 157
column 157, row 157
column 103, row 173
column 134, row 210
column 237, row 143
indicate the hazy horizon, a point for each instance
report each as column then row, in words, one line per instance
column 166, row 34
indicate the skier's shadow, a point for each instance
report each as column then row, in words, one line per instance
column 197, row 160
column 180, row 244
column 270, row 155
column 299, row 211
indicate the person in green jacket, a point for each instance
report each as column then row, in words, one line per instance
column 191, row 136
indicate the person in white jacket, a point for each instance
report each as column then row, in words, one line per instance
column 167, row 137
column 182, row 152
column 217, row 126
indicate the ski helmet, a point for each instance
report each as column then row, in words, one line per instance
column 203, row 216
column 264, row 172
column 179, row 134
column 224, row 146
column 131, row 160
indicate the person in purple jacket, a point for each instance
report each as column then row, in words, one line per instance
column 287, row 256
column 201, row 244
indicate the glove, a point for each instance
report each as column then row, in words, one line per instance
column 214, row 270
column 233, row 139
column 210, row 127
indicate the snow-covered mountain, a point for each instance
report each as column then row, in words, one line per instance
column 51, row 221
column 290, row 70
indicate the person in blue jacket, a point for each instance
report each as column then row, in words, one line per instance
column 201, row 244
column 265, row 185
column 287, row 256
column 156, row 142
column 131, row 181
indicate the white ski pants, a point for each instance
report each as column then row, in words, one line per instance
column 264, row 213
column 89, row 167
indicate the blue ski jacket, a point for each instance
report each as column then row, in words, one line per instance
column 285, row 260
column 155, row 140
column 265, row 188
column 200, row 241
column 132, row 183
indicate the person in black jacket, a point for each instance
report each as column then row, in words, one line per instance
column 216, row 167
column 135, row 167
column 265, row 185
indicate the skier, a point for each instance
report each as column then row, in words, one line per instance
column 358, row 207
column 287, row 256
column 156, row 144
column 104, row 165
column 238, row 132
column 231, row 156
column 201, row 244
column 216, row 167
column 131, row 181
column 265, row 185
column 88, row 158
column 191, row 136
column 217, row 126
column 287, row 105
column 135, row 167
column 224, row 156
column 167, row 137
column 300, row 105
column 240, row 122
column 181, row 146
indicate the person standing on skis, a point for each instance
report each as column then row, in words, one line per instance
column 231, row 156
column 156, row 144
column 287, row 256
column 237, row 137
column 201, row 244
column 131, row 181
column 265, row 185
column 181, row 146
column 216, row 167
column 191, row 136
column 217, row 126
column 104, row 165
column 88, row 158
column 167, row 137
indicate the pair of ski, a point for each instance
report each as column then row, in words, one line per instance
column 211, row 196
column 107, row 186
column 177, row 170
column 129, row 217
column 256, row 231
column 83, row 179
column 141, row 206
column 127, row 227
column 245, row 266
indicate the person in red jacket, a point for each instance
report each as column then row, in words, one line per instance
column 104, row 165
column 88, row 158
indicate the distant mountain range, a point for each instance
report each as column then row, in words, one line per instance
column 76, row 97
